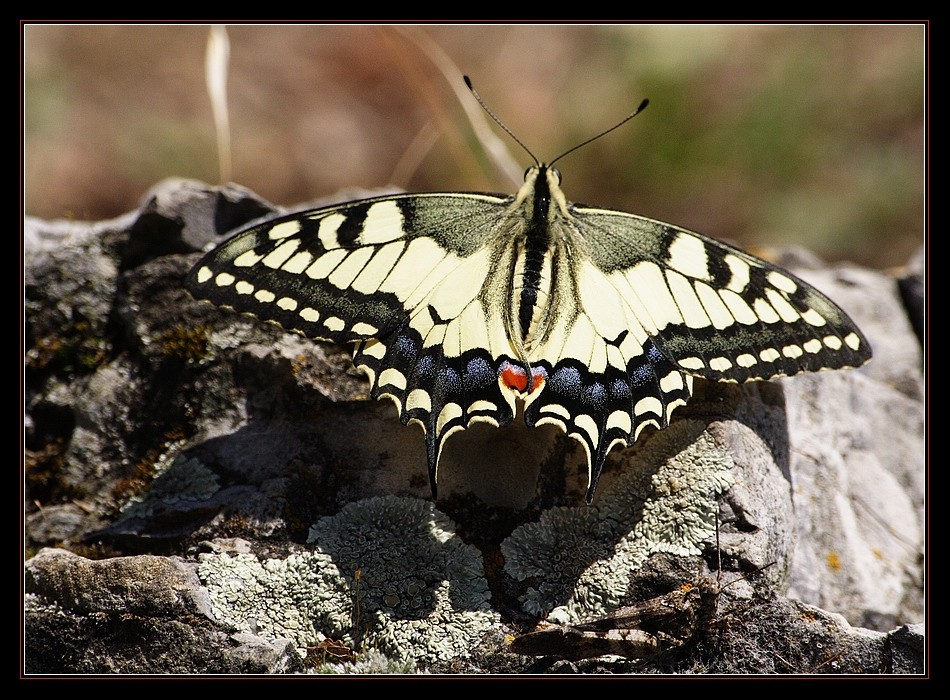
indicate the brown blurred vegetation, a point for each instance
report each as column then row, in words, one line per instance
column 760, row 134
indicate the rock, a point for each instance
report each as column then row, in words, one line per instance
column 195, row 468
column 147, row 586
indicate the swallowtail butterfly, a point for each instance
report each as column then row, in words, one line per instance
column 460, row 306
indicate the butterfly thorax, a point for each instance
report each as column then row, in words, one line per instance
column 539, row 248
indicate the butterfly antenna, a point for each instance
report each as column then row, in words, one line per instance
column 499, row 122
column 643, row 106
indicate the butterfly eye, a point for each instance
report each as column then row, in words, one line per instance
column 557, row 175
column 527, row 172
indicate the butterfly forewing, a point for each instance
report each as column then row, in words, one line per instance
column 722, row 313
column 461, row 305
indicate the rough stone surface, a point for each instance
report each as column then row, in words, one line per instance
column 664, row 501
column 146, row 585
column 167, row 438
column 386, row 573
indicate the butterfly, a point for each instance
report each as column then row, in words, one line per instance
column 463, row 307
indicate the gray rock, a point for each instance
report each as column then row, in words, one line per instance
column 907, row 649
column 129, row 615
column 150, row 586
column 161, row 427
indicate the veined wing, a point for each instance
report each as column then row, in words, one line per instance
column 643, row 306
column 420, row 284
column 723, row 314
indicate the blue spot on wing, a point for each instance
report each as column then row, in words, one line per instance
column 595, row 396
column 620, row 389
column 566, row 380
column 450, row 381
column 478, row 374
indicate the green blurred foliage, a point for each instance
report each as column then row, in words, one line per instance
column 807, row 135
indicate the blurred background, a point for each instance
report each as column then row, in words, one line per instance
column 759, row 134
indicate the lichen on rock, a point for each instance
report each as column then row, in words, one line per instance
column 387, row 574
column 663, row 501
column 183, row 480
column 420, row 589
column 275, row 598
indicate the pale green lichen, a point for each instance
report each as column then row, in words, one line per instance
column 663, row 501
column 277, row 598
column 386, row 574
column 421, row 589
column 182, row 481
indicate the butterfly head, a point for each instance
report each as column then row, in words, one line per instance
column 548, row 172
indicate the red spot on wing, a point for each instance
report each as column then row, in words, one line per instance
column 515, row 377
column 538, row 375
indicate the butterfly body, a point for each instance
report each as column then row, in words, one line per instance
column 463, row 306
